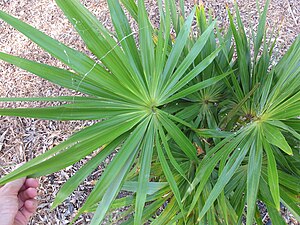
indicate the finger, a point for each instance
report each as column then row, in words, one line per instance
column 30, row 182
column 30, row 205
column 26, row 212
column 27, row 194
column 14, row 186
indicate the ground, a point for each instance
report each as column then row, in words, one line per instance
column 23, row 139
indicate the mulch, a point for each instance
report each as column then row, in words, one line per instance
column 21, row 139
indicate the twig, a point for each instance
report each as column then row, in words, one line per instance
column 291, row 11
column 2, row 139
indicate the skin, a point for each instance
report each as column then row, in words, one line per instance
column 17, row 203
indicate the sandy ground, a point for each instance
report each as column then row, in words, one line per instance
column 23, row 139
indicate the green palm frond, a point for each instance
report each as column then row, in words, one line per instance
column 201, row 133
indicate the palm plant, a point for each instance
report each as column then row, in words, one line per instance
column 201, row 133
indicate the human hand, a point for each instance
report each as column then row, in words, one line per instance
column 17, row 203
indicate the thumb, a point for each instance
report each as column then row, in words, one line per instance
column 14, row 187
